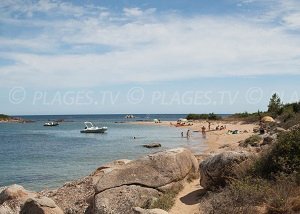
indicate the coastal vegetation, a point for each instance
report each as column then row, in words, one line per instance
column 4, row 117
column 252, row 141
column 210, row 116
column 166, row 200
column 270, row 182
column 288, row 114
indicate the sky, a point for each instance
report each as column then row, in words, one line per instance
column 136, row 56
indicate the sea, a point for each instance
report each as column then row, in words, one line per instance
column 39, row 157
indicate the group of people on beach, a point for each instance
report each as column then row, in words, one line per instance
column 203, row 130
column 188, row 134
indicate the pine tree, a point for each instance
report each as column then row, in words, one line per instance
column 275, row 105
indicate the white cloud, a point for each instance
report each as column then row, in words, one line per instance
column 293, row 20
column 133, row 11
column 147, row 48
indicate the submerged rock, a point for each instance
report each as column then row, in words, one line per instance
column 215, row 169
column 152, row 145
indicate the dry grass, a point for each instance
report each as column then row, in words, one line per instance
column 248, row 194
column 165, row 201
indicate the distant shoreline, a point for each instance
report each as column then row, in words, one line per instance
column 215, row 139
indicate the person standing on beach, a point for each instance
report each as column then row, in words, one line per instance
column 209, row 125
column 203, row 131
column 181, row 134
column 188, row 133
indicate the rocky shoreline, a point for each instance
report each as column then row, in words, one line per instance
column 117, row 187
column 134, row 186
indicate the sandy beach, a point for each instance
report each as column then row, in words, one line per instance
column 216, row 141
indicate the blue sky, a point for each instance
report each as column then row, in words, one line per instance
column 112, row 56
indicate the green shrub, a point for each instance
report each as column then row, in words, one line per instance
column 241, row 196
column 252, row 141
column 245, row 195
column 210, row 116
column 4, row 117
column 284, row 156
column 284, row 195
column 289, row 120
column 248, row 117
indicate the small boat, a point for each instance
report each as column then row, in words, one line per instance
column 91, row 128
column 129, row 116
column 51, row 124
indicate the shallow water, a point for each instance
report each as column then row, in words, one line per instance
column 39, row 157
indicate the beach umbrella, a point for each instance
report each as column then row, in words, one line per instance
column 267, row 119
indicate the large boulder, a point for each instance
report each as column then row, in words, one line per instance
column 139, row 181
column 215, row 169
column 14, row 192
column 78, row 196
column 15, row 199
column 12, row 198
column 154, row 171
column 121, row 200
column 41, row 205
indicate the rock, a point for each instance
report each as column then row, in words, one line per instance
column 153, row 171
column 279, row 130
column 215, row 169
column 73, row 197
column 255, row 129
column 13, row 192
column 294, row 128
column 41, row 205
column 6, row 209
column 139, row 181
column 78, row 196
column 152, row 145
column 12, row 198
column 139, row 210
column 15, row 199
column 120, row 200
column 268, row 140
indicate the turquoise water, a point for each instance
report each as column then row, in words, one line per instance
column 39, row 157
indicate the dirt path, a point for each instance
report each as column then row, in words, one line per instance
column 187, row 200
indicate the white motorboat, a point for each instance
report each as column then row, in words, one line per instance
column 91, row 128
column 129, row 116
column 51, row 124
